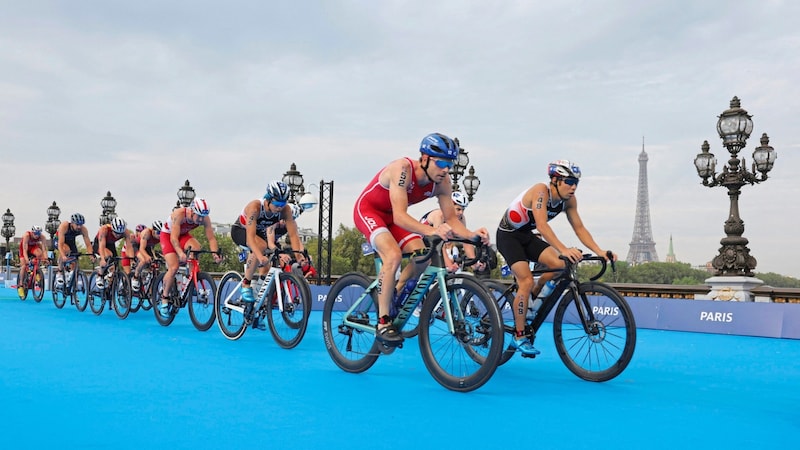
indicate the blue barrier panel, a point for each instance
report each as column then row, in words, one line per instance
column 778, row 320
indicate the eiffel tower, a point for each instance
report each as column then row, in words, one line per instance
column 643, row 249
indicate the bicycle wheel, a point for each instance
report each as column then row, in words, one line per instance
column 22, row 284
column 352, row 349
column 158, row 289
column 289, row 326
column 600, row 349
column 497, row 289
column 59, row 297
column 121, row 294
column 465, row 359
column 229, row 320
column 38, row 285
column 201, row 301
column 95, row 295
column 148, row 289
column 79, row 288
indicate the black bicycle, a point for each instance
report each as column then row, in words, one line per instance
column 191, row 287
column 593, row 326
column 115, row 288
column 142, row 298
column 73, row 284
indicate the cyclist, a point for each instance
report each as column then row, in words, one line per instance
column 279, row 230
column 531, row 211
column 126, row 262
column 381, row 214
column 66, row 234
column 31, row 246
column 175, row 240
column 105, row 244
column 148, row 238
column 250, row 230
column 449, row 250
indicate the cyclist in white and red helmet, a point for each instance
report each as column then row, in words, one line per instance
column 105, row 243
column 449, row 250
column 175, row 240
column 531, row 211
column 148, row 238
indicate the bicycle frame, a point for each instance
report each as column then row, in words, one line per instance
column 266, row 286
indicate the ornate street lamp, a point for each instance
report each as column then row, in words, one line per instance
column 734, row 127
column 294, row 180
column 52, row 221
column 8, row 232
column 460, row 166
column 186, row 194
column 471, row 183
column 109, row 205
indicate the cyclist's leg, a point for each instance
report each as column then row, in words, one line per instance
column 518, row 248
column 171, row 260
column 391, row 255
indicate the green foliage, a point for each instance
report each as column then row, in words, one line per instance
column 346, row 255
column 779, row 281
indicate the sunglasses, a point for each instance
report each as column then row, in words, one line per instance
column 444, row 163
column 278, row 203
column 571, row 181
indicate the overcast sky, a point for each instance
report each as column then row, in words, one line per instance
column 136, row 97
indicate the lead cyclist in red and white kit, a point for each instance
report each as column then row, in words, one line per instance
column 175, row 240
column 381, row 214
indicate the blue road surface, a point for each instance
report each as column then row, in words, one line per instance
column 76, row 381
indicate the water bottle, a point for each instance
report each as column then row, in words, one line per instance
column 180, row 277
column 403, row 295
column 547, row 289
column 533, row 307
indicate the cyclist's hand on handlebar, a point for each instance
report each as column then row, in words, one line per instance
column 483, row 233
column 573, row 254
column 217, row 257
column 608, row 255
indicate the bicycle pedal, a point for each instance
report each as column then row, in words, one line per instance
column 528, row 356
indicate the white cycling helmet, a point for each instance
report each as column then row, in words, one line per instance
column 200, row 207
column 118, row 225
column 460, row 199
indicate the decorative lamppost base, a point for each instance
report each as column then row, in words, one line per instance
column 732, row 289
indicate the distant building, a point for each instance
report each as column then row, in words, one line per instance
column 671, row 254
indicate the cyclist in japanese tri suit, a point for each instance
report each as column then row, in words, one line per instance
column 66, row 234
column 449, row 250
column 381, row 214
column 175, row 240
column 532, row 210
column 251, row 230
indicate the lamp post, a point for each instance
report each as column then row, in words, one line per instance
column 8, row 232
column 734, row 127
column 471, row 183
column 294, row 180
column 460, row 165
column 52, row 222
column 186, row 194
column 109, row 205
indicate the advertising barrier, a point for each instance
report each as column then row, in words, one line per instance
column 777, row 320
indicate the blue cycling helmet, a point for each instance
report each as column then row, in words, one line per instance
column 439, row 146
column 277, row 191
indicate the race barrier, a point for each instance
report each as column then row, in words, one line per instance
column 776, row 320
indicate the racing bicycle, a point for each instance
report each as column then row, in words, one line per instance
column 31, row 278
column 460, row 326
column 73, row 286
column 283, row 299
column 593, row 326
column 115, row 288
column 191, row 287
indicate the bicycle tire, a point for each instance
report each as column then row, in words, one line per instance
column 38, row 285
column 96, row 296
column 59, row 296
column 606, row 351
column 467, row 359
column 201, row 301
column 289, row 326
column 148, row 289
column 78, row 290
column 22, row 282
column 497, row 289
column 352, row 350
column 82, row 301
column 121, row 294
column 231, row 322
column 158, row 289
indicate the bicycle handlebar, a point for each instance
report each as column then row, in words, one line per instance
column 604, row 260
column 434, row 243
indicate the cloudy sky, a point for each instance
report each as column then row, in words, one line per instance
column 136, row 97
